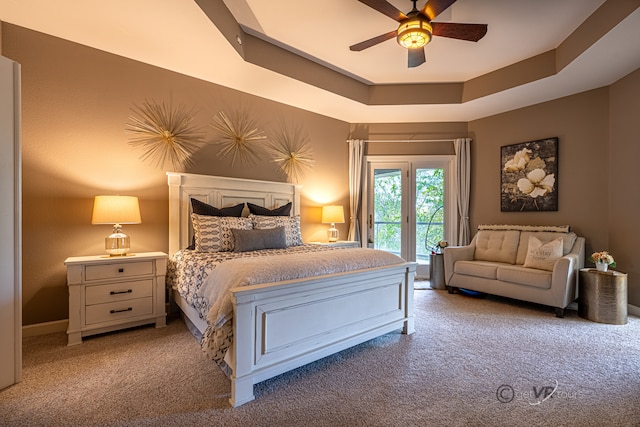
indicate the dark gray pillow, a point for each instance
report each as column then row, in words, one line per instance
column 284, row 210
column 254, row 240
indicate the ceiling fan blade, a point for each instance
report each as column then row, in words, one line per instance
column 434, row 8
column 385, row 8
column 372, row 42
column 416, row 57
column 470, row 32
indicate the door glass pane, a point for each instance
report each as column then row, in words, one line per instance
column 429, row 211
column 387, row 212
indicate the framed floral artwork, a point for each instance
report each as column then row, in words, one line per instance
column 529, row 176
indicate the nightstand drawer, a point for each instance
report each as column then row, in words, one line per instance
column 123, row 269
column 101, row 313
column 112, row 292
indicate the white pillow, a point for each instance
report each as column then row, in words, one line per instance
column 543, row 256
column 291, row 226
column 213, row 233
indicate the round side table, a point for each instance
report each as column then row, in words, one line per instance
column 602, row 296
column 436, row 271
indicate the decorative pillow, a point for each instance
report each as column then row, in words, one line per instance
column 291, row 226
column 543, row 256
column 568, row 240
column 213, row 233
column 284, row 210
column 253, row 240
column 202, row 208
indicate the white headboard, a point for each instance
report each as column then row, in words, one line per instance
column 220, row 192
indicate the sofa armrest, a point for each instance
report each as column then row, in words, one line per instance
column 452, row 254
column 564, row 278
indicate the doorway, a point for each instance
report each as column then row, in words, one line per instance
column 410, row 206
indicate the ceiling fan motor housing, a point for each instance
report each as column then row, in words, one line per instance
column 414, row 32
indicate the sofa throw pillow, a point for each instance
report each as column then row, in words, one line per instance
column 568, row 240
column 254, row 240
column 213, row 233
column 291, row 226
column 543, row 256
column 284, row 210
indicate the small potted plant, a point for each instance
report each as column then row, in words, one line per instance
column 440, row 246
column 602, row 260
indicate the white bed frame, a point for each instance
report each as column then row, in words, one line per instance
column 281, row 326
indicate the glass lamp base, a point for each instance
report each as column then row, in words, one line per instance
column 333, row 233
column 118, row 243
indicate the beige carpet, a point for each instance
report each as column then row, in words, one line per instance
column 471, row 362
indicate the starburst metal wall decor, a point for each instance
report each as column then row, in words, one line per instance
column 291, row 150
column 166, row 134
column 239, row 137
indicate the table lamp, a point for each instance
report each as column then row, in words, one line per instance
column 116, row 210
column 332, row 214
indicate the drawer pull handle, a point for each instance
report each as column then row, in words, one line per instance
column 121, row 270
column 121, row 311
column 128, row 291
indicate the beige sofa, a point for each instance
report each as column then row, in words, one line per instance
column 504, row 260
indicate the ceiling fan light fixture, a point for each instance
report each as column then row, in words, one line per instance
column 414, row 32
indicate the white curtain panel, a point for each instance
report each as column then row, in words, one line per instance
column 356, row 160
column 463, row 160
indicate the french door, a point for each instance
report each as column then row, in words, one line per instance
column 410, row 206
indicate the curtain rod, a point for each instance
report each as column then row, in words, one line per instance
column 408, row 140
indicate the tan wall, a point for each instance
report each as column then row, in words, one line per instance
column 624, row 173
column 581, row 124
column 76, row 101
column 596, row 175
column 437, row 137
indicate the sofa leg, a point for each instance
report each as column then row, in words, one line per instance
column 451, row 289
column 560, row 312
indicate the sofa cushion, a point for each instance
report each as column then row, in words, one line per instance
column 568, row 239
column 543, row 255
column 525, row 276
column 497, row 245
column 477, row 268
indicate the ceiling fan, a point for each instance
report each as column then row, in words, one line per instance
column 416, row 28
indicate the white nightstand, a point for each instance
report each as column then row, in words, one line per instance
column 111, row 293
column 339, row 244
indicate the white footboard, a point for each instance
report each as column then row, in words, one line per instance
column 279, row 327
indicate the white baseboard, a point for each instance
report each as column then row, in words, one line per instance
column 633, row 310
column 45, row 328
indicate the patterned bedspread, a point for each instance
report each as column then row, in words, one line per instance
column 188, row 270
column 187, row 273
column 203, row 281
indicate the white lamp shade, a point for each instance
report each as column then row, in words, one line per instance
column 116, row 210
column 332, row 214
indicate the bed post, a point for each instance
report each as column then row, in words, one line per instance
column 174, row 181
column 296, row 200
column 241, row 377
column 409, row 325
